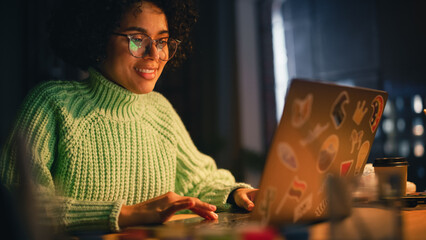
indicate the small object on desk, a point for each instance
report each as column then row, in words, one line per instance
column 411, row 188
column 392, row 176
column 414, row 199
column 366, row 188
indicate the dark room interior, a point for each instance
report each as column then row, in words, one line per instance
column 372, row 43
column 226, row 92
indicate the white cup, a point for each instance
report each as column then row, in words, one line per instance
column 392, row 176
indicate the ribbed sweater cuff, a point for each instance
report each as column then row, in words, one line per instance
column 89, row 215
column 225, row 206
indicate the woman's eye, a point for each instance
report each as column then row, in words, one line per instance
column 162, row 43
column 137, row 40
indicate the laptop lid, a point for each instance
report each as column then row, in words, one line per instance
column 326, row 130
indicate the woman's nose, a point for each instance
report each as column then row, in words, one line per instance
column 152, row 52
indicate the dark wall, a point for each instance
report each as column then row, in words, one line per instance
column 402, row 50
column 26, row 58
column 204, row 90
column 402, row 35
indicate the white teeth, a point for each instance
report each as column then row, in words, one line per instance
column 144, row 70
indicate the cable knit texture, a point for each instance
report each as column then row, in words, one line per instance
column 95, row 146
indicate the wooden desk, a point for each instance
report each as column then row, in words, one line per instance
column 379, row 224
column 375, row 222
column 414, row 224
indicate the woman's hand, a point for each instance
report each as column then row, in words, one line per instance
column 162, row 208
column 244, row 198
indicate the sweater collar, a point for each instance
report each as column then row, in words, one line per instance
column 113, row 100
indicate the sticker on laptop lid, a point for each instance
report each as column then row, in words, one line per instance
column 314, row 134
column 356, row 139
column 297, row 188
column 328, row 153
column 301, row 110
column 360, row 112
column 301, row 209
column 378, row 106
column 338, row 113
column 324, row 183
column 345, row 167
column 320, row 209
column 362, row 157
column 287, row 156
column 265, row 205
column 295, row 191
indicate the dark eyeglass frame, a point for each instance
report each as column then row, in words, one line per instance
column 130, row 37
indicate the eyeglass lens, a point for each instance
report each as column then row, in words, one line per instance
column 140, row 46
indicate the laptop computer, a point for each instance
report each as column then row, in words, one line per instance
column 327, row 130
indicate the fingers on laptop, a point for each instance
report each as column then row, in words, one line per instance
column 209, row 215
column 197, row 206
column 204, row 209
column 247, row 203
column 179, row 205
column 244, row 198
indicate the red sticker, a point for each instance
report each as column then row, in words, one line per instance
column 345, row 167
column 297, row 189
column 378, row 106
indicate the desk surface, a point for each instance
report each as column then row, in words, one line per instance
column 414, row 224
column 379, row 224
column 364, row 223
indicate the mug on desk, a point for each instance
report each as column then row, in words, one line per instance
column 392, row 176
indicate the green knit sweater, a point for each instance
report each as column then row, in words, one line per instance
column 97, row 146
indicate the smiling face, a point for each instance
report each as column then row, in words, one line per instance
column 138, row 75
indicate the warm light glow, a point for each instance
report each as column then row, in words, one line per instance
column 419, row 150
column 418, row 130
column 417, row 104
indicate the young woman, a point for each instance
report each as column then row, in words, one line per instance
column 113, row 152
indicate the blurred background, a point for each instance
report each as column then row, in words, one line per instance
column 231, row 91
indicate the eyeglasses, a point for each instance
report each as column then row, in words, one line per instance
column 140, row 45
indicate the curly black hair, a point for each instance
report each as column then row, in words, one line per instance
column 80, row 29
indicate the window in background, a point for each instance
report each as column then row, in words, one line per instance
column 355, row 43
column 280, row 56
column 403, row 125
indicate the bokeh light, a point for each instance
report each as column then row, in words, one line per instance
column 417, row 104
